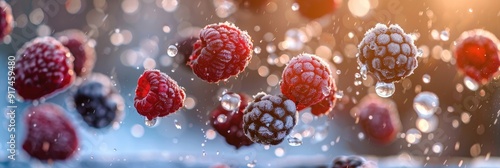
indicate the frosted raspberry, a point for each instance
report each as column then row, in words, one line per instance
column 269, row 119
column 44, row 67
column 326, row 105
column 229, row 124
column 157, row 95
column 306, row 80
column 50, row 135
column 314, row 9
column 80, row 47
column 477, row 55
column 378, row 118
column 6, row 19
column 222, row 51
column 388, row 53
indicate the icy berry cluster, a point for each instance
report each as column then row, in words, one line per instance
column 477, row 55
column 229, row 124
column 97, row 101
column 349, row 162
column 222, row 51
column 157, row 95
column 6, row 19
column 388, row 53
column 378, row 118
column 79, row 46
column 44, row 67
column 269, row 119
column 50, row 134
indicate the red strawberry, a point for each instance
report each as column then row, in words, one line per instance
column 51, row 136
column 157, row 95
column 44, row 67
column 222, row 51
column 78, row 44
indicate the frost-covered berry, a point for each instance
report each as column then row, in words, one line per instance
column 388, row 53
column 269, row 119
column 477, row 55
column 81, row 48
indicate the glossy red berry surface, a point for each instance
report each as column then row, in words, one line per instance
column 314, row 9
column 44, row 67
column 222, row 51
column 157, row 95
column 388, row 53
column 327, row 104
column 50, row 134
column 306, row 80
column 81, row 48
column 378, row 118
column 229, row 124
column 6, row 19
column 477, row 55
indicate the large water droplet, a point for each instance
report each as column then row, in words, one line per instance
column 426, row 104
column 172, row 50
column 413, row 136
column 150, row 123
column 385, row 89
column 294, row 141
column 426, row 78
column 177, row 124
column 470, row 83
column 221, row 118
column 230, row 101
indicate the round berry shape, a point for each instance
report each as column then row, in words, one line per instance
column 222, row 51
column 185, row 49
column 326, row 105
column 6, row 19
column 477, row 55
column 44, row 67
column 81, row 48
column 157, row 95
column 269, row 119
column 314, row 9
column 97, row 101
column 388, row 53
column 229, row 124
column 306, row 80
column 378, row 118
column 349, row 162
column 50, row 135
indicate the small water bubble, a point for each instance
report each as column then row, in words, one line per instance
column 257, row 50
column 172, row 50
column 221, row 118
column 385, row 89
column 445, row 35
column 426, row 104
column 91, row 157
column 339, row 94
column 270, row 48
column 361, row 136
column 251, row 164
column 363, row 71
column 420, row 53
column 437, row 147
column 321, row 134
column 426, row 78
column 177, row 124
column 413, row 136
column 357, row 75
column 470, row 83
column 294, row 141
column 295, row 7
column 150, row 123
column 230, row 101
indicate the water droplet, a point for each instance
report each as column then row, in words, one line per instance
column 150, row 123
column 270, row 48
column 295, row 7
column 91, row 157
column 172, row 51
column 221, row 118
column 279, row 152
column 413, row 136
column 251, row 164
column 385, row 89
column 445, row 35
column 177, row 124
column 470, row 83
column 257, row 50
column 321, row 134
column 426, row 78
column 427, row 125
column 357, row 75
column 294, row 141
column 294, row 39
column 361, row 136
column 339, row 94
column 230, row 101
column 363, row 71
column 426, row 104
column 420, row 53
column 437, row 147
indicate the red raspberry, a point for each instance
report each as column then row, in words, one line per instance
column 157, row 95
column 51, row 136
column 314, row 9
column 44, row 67
column 379, row 118
column 232, row 128
column 185, row 49
column 326, row 105
column 222, row 51
column 477, row 55
column 306, row 80
column 388, row 53
column 6, row 19
column 78, row 44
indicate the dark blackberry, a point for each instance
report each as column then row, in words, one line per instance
column 388, row 53
column 348, row 162
column 97, row 101
column 269, row 119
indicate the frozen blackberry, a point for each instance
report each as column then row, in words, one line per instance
column 388, row 53
column 348, row 162
column 97, row 101
column 269, row 119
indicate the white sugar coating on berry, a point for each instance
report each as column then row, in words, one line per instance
column 275, row 99
column 264, row 131
column 393, row 48
column 289, row 122
column 278, row 125
column 369, row 37
column 378, row 29
column 289, row 105
column 383, row 39
column 394, row 28
column 307, row 77
column 406, row 49
column 265, row 105
column 266, row 118
column 308, row 66
column 280, row 112
column 397, row 38
column 281, row 135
